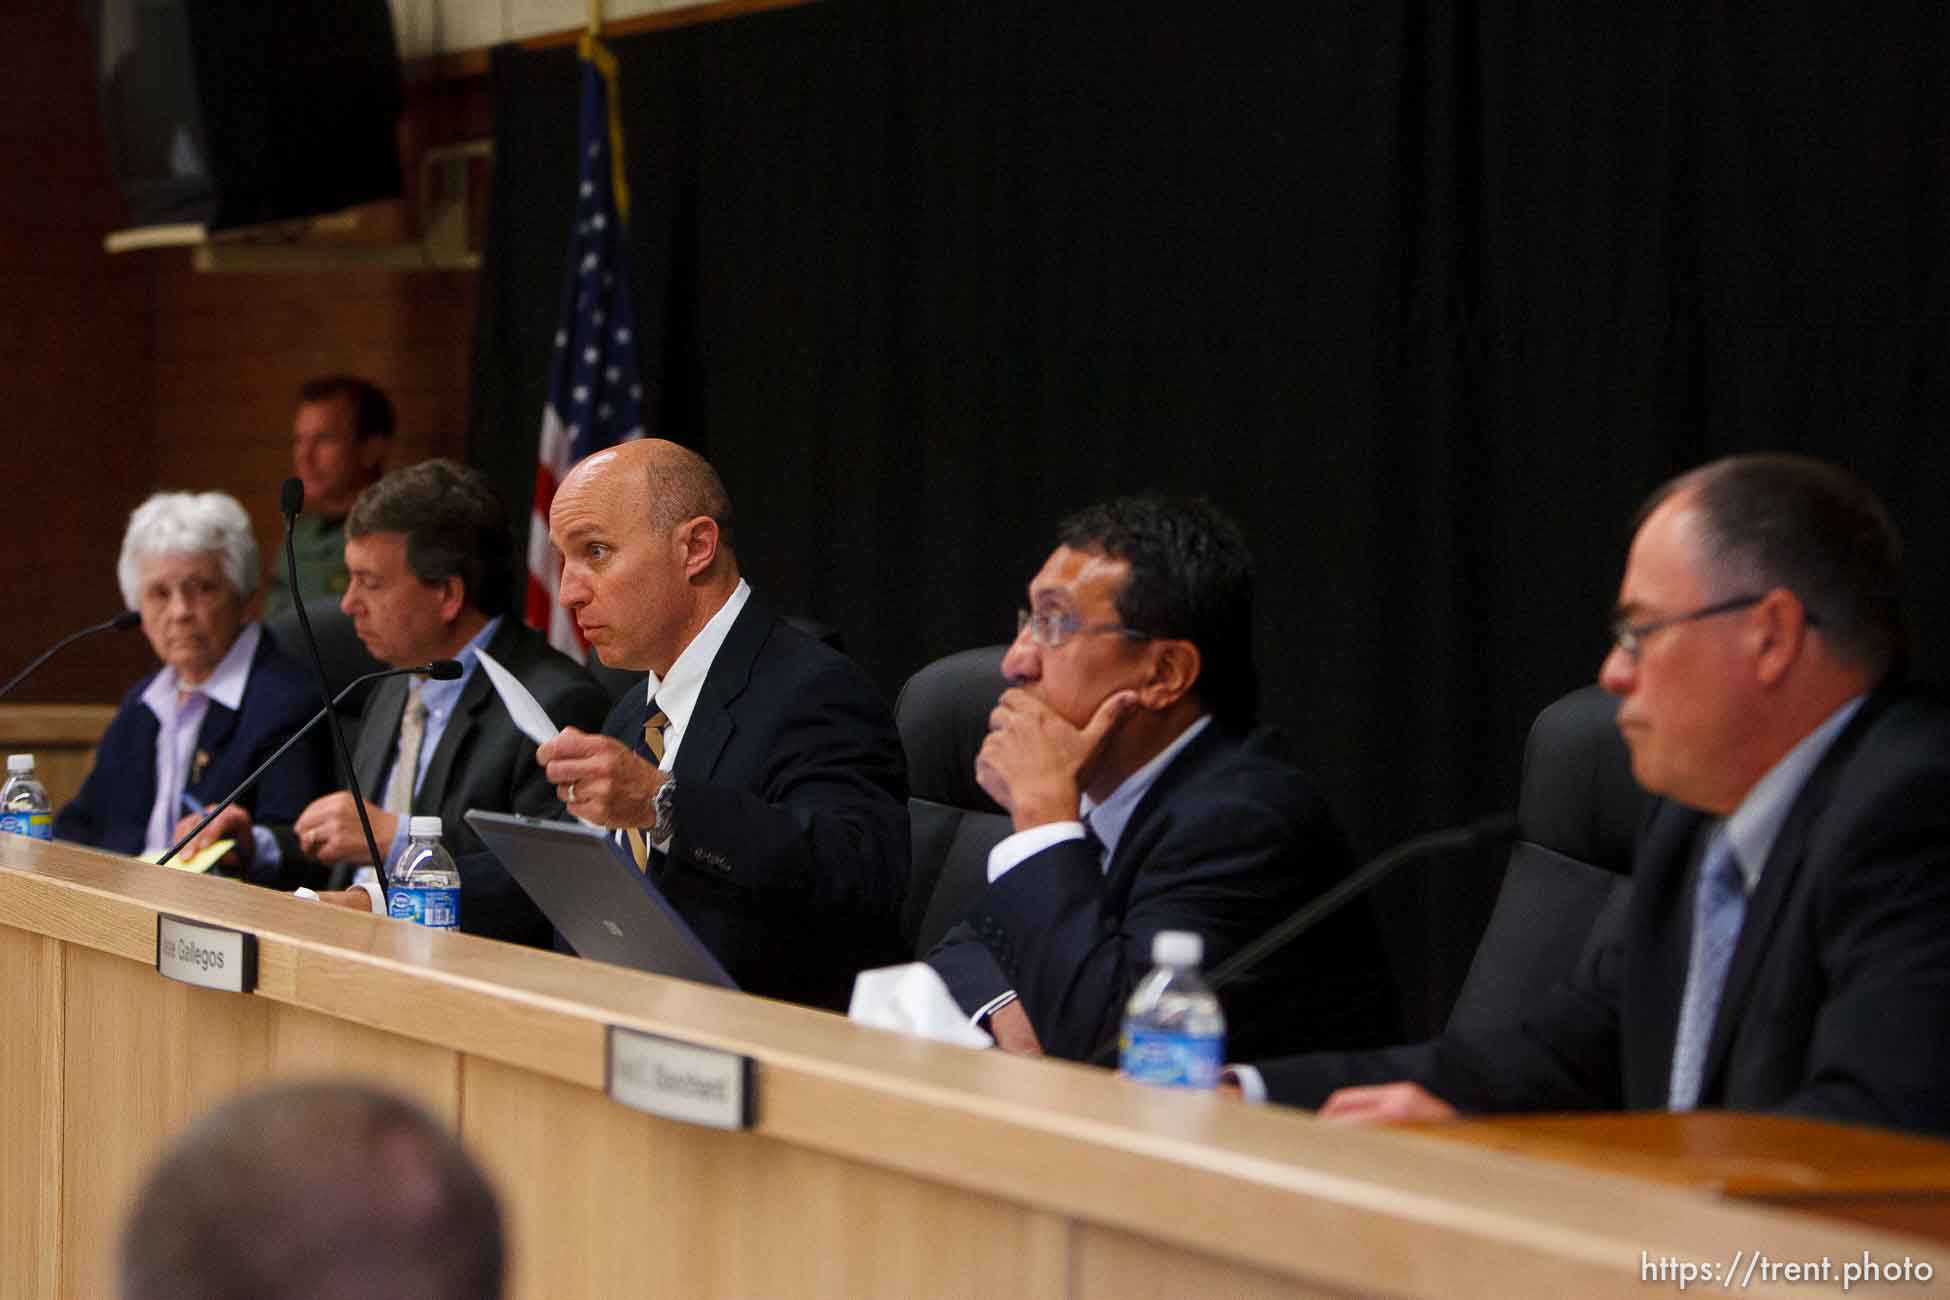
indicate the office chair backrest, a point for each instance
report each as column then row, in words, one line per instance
column 942, row 714
column 1579, row 813
column 345, row 656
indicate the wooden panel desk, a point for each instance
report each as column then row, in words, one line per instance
column 879, row 1165
column 1891, row 1180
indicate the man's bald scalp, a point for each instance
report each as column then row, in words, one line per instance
column 683, row 486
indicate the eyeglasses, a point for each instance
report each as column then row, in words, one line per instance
column 1630, row 637
column 1050, row 630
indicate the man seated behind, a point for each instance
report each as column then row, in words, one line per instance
column 430, row 556
column 1120, row 753
column 757, row 776
column 1787, row 943
column 340, row 433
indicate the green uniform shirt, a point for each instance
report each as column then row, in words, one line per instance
column 320, row 544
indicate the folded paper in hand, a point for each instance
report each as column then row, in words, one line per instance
column 529, row 717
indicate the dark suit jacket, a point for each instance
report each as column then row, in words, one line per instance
column 1837, row 1002
column 791, row 852
column 1227, row 842
column 482, row 761
column 112, row 809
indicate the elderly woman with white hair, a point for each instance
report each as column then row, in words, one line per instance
column 224, row 699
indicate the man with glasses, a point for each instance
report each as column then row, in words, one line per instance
column 1787, row 943
column 1141, row 803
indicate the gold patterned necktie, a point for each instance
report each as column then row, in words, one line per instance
column 653, row 740
column 406, row 768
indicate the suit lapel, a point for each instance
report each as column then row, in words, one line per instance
column 218, row 723
column 1776, row 884
column 378, row 736
column 711, row 722
column 1143, row 828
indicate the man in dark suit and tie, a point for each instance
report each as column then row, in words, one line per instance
column 1143, row 801
column 757, row 776
column 429, row 554
column 1787, row 943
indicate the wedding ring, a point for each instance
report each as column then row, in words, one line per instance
column 572, row 792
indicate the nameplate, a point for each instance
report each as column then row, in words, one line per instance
column 694, row 1085
column 208, row 956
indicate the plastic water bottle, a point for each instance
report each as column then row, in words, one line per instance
column 24, row 806
column 422, row 885
column 1174, row 1032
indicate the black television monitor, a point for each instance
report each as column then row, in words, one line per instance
column 230, row 113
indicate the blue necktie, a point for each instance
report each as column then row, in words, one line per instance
column 1718, row 909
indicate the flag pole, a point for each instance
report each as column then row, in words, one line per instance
column 595, row 17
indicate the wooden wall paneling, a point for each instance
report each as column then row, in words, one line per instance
column 74, row 360
column 147, row 1056
column 570, row 1163
column 31, row 1026
column 306, row 1045
column 62, row 739
column 144, row 1056
column 1114, row 1265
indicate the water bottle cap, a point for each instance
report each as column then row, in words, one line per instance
column 20, row 762
column 423, row 828
column 1177, row 948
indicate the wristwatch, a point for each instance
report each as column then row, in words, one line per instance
column 665, row 803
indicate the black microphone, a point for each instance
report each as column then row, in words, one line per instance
column 291, row 501
column 122, row 622
column 1482, row 832
column 441, row 670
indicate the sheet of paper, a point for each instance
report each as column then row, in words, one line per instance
column 529, row 717
column 194, row 862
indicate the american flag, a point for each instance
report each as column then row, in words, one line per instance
column 595, row 388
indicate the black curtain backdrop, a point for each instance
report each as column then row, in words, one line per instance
column 1428, row 296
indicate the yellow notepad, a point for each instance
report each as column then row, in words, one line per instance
column 194, row 862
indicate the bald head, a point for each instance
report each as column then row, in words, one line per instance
column 675, row 483
column 645, row 534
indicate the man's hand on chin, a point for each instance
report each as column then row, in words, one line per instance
column 1032, row 761
column 1386, row 1103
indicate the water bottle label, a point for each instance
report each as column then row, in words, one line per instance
column 1172, row 1060
column 437, row 909
column 38, row 825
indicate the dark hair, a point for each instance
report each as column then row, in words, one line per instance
column 454, row 524
column 1792, row 521
column 372, row 411
column 312, row 1191
column 1191, row 579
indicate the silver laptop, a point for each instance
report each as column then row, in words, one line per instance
column 606, row 908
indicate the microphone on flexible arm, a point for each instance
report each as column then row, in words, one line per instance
column 1481, row 833
column 291, row 503
column 441, row 670
column 122, row 622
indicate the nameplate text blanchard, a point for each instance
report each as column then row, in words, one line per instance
column 680, row 1081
